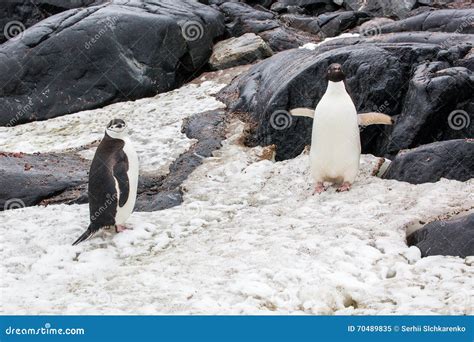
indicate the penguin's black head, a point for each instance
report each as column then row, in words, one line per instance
column 116, row 127
column 335, row 73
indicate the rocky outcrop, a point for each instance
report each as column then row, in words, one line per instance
column 27, row 179
column 86, row 58
column 452, row 159
column 445, row 237
column 379, row 71
column 312, row 7
column 448, row 20
column 242, row 18
column 238, row 51
column 17, row 15
column 326, row 25
column 430, row 112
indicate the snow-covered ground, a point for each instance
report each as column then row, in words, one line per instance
column 248, row 239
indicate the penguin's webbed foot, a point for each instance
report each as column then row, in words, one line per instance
column 346, row 186
column 120, row 228
column 319, row 188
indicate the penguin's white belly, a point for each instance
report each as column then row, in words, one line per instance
column 123, row 213
column 335, row 143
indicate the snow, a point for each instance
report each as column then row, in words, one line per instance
column 248, row 239
column 154, row 126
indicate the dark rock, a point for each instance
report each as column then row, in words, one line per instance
column 434, row 3
column 49, row 178
column 434, row 92
column 241, row 18
column 446, row 237
column 403, row 8
column 441, row 39
column 372, row 6
column 313, row 7
column 17, row 15
column 260, row 3
column 378, row 79
column 446, row 20
column 245, row 49
column 27, row 179
column 398, row 9
column 467, row 61
column 452, row 159
column 388, row 8
column 372, row 27
column 327, row 25
column 284, row 38
column 87, row 58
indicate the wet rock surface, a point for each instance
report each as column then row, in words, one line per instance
column 27, row 179
column 445, row 237
column 328, row 24
column 448, row 20
column 383, row 74
column 86, row 58
column 450, row 159
column 17, row 15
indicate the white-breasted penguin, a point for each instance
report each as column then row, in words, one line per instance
column 113, row 181
column 335, row 141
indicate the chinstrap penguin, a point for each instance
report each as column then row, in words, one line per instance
column 335, row 141
column 113, row 181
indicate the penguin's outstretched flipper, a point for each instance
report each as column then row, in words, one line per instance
column 374, row 118
column 89, row 233
column 302, row 112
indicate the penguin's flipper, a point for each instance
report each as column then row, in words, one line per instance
column 89, row 233
column 121, row 176
column 374, row 118
column 302, row 112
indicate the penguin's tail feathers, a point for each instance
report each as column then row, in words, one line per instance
column 89, row 233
